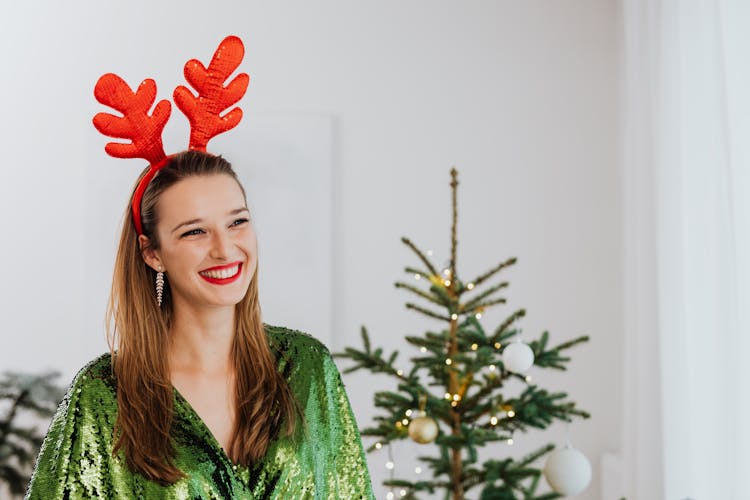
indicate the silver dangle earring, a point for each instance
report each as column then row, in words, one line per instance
column 159, row 286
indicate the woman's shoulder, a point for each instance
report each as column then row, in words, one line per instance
column 298, row 350
column 291, row 341
column 97, row 375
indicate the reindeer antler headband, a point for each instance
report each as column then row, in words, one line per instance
column 144, row 130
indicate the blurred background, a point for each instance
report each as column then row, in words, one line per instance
column 602, row 142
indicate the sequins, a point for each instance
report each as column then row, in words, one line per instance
column 327, row 462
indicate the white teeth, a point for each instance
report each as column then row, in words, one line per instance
column 224, row 273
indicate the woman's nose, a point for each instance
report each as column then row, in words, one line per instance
column 221, row 245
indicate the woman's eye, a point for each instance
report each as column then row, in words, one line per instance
column 239, row 221
column 192, row 232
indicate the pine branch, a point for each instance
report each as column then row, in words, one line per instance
column 501, row 330
column 421, row 256
column 434, row 298
column 551, row 358
column 487, row 275
column 473, row 303
column 427, row 312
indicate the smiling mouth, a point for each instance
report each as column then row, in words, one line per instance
column 222, row 276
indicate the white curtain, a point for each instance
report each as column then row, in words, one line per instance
column 686, row 178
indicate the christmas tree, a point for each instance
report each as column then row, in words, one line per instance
column 453, row 393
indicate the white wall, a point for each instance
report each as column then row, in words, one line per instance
column 520, row 96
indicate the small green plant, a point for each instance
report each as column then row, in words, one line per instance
column 26, row 402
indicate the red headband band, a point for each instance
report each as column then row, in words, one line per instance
column 204, row 111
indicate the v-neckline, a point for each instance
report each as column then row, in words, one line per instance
column 205, row 428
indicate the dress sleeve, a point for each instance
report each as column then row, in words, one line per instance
column 74, row 456
column 347, row 474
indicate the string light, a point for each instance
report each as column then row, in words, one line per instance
column 511, row 414
column 405, row 421
column 423, row 349
column 449, row 361
column 390, row 495
column 493, row 420
column 378, row 445
column 454, row 315
column 417, row 276
column 402, row 493
column 418, row 470
column 478, row 315
column 447, row 272
column 429, row 253
column 389, row 465
column 447, row 395
column 470, row 286
column 493, row 368
column 456, row 397
column 474, row 347
column 399, row 372
column 447, row 282
column 510, row 442
column 408, row 412
column 528, row 378
column 454, row 403
column 497, row 345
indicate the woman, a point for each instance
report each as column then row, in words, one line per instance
column 198, row 398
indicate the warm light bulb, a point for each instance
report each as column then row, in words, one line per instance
column 389, row 465
column 422, row 349
column 454, row 403
column 399, row 372
column 456, row 397
column 497, row 345
column 528, row 378
column 447, row 282
column 418, row 470
column 447, row 395
column 449, row 361
column 492, row 368
column 402, row 493
column 408, row 413
column 478, row 315
column 454, row 315
column 511, row 413
column 470, row 286
column 474, row 347
column 405, row 421
column 417, row 276
column 493, row 420
column 390, row 495
column 378, row 446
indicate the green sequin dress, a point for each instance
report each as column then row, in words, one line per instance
column 76, row 459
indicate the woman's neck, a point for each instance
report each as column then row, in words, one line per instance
column 201, row 340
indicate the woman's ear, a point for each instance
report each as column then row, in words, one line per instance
column 150, row 256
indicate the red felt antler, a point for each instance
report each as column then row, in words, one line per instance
column 204, row 111
column 144, row 131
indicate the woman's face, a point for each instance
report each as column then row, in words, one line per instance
column 208, row 248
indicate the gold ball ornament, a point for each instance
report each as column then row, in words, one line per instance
column 423, row 429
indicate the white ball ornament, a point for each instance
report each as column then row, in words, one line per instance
column 518, row 357
column 567, row 471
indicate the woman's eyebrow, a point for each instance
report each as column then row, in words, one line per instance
column 195, row 221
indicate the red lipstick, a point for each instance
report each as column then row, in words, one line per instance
column 223, row 281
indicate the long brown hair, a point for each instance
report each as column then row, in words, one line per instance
column 138, row 329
